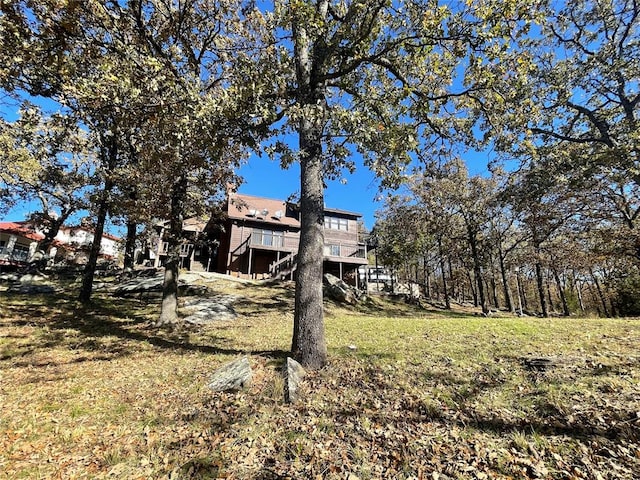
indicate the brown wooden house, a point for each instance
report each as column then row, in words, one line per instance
column 261, row 235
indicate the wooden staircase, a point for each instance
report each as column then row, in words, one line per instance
column 284, row 267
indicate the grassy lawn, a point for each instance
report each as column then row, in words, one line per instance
column 96, row 392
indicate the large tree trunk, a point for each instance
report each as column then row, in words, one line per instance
column 308, row 345
column 90, row 268
column 169, row 306
column 130, row 245
column 109, row 160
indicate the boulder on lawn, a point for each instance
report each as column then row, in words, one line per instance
column 234, row 375
column 201, row 311
column 151, row 286
column 340, row 291
column 293, row 374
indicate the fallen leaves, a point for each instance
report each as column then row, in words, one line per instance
column 124, row 401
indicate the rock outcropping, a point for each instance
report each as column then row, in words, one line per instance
column 339, row 291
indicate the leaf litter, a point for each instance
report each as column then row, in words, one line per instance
column 104, row 395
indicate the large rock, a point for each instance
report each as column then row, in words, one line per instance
column 151, row 286
column 30, row 283
column 338, row 290
column 31, row 288
column 201, row 311
column 234, row 375
column 293, row 374
column 138, row 286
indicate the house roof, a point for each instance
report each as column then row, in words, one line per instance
column 21, row 229
column 91, row 231
column 249, row 207
column 346, row 213
column 260, row 209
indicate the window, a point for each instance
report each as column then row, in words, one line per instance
column 336, row 223
column 3, row 243
column 20, row 253
column 267, row 238
column 332, row 250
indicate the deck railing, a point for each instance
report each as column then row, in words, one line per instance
column 289, row 243
column 344, row 250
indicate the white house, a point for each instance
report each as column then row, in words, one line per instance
column 18, row 242
column 81, row 238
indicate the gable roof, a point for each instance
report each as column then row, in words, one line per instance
column 250, row 207
column 260, row 209
column 21, row 229
column 346, row 213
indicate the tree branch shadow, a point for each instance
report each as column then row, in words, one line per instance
column 67, row 323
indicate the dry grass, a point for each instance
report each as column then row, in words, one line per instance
column 98, row 393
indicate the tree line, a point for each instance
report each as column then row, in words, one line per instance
column 142, row 109
column 490, row 241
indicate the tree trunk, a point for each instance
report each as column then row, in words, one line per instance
column 472, row 286
column 169, row 306
column 494, row 291
column 505, row 281
column 130, row 245
column 477, row 268
column 452, row 283
column 447, row 300
column 52, row 231
column 308, row 344
column 541, row 293
column 578, row 288
column 552, row 307
column 563, row 297
column 109, row 160
column 522, row 292
column 519, row 290
column 90, row 268
column 427, row 278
